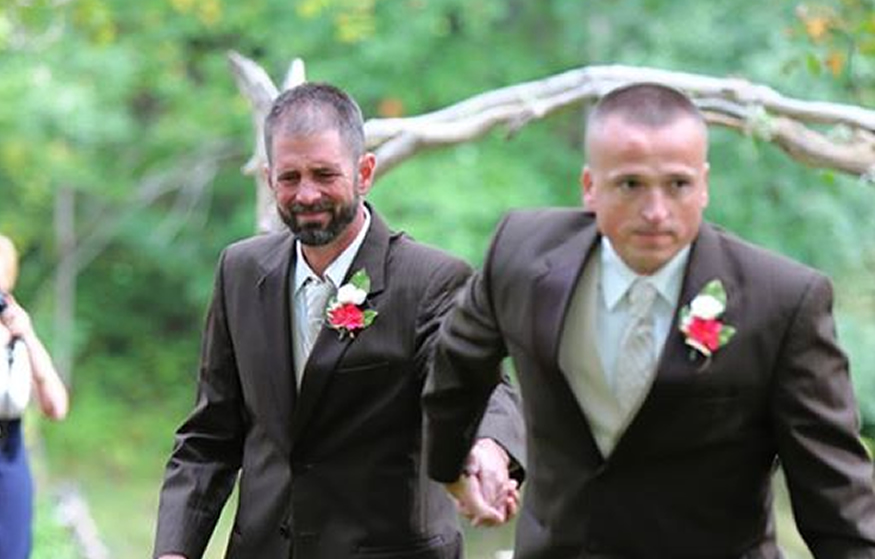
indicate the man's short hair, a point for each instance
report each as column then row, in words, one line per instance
column 646, row 104
column 311, row 108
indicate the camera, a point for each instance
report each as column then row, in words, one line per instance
column 3, row 302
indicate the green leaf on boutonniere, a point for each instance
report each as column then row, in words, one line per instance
column 726, row 333
column 368, row 316
column 715, row 289
column 361, row 280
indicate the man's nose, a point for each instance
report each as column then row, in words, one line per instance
column 656, row 207
column 307, row 192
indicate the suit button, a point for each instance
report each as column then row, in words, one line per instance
column 285, row 531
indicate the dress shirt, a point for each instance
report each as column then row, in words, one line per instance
column 334, row 274
column 613, row 310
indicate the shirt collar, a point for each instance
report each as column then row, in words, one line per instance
column 339, row 267
column 617, row 277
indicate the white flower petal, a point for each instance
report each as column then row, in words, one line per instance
column 351, row 294
column 706, row 307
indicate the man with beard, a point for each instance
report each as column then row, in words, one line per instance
column 314, row 357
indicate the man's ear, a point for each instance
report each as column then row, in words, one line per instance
column 367, row 166
column 587, row 193
column 265, row 174
column 706, row 195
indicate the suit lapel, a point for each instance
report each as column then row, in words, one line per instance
column 552, row 290
column 706, row 263
column 329, row 346
column 273, row 299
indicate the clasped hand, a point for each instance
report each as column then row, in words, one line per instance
column 485, row 494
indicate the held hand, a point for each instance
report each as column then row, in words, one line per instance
column 470, row 503
column 489, row 462
column 485, row 494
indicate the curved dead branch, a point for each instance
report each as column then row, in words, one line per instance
column 848, row 146
column 818, row 134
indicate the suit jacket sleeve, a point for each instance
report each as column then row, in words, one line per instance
column 815, row 415
column 503, row 422
column 208, row 446
column 462, row 385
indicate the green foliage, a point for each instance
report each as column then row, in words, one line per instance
column 856, row 331
column 114, row 446
column 454, row 198
column 837, row 42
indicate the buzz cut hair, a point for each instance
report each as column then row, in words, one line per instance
column 647, row 104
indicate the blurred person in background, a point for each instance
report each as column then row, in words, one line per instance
column 26, row 371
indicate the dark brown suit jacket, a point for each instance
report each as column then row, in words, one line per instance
column 690, row 478
column 335, row 471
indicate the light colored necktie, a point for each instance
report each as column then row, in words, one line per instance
column 317, row 293
column 637, row 356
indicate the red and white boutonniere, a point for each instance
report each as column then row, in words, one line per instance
column 700, row 320
column 344, row 312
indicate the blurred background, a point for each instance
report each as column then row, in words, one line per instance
column 123, row 138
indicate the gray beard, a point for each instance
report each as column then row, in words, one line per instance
column 315, row 234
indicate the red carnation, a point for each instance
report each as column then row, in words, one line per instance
column 705, row 331
column 348, row 317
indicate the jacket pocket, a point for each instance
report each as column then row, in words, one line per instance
column 381, row 367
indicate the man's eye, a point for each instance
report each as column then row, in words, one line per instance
column 629, row 184
column 680, row 183
column 289, row 180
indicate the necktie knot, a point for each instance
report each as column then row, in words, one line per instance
column 641, row 296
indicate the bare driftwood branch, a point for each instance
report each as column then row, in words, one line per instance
column 258, row 88
column 736, row 103
column 73, row 512
column 816, row 133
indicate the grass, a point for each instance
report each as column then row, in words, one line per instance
column 115, row 453
column 51, row 539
